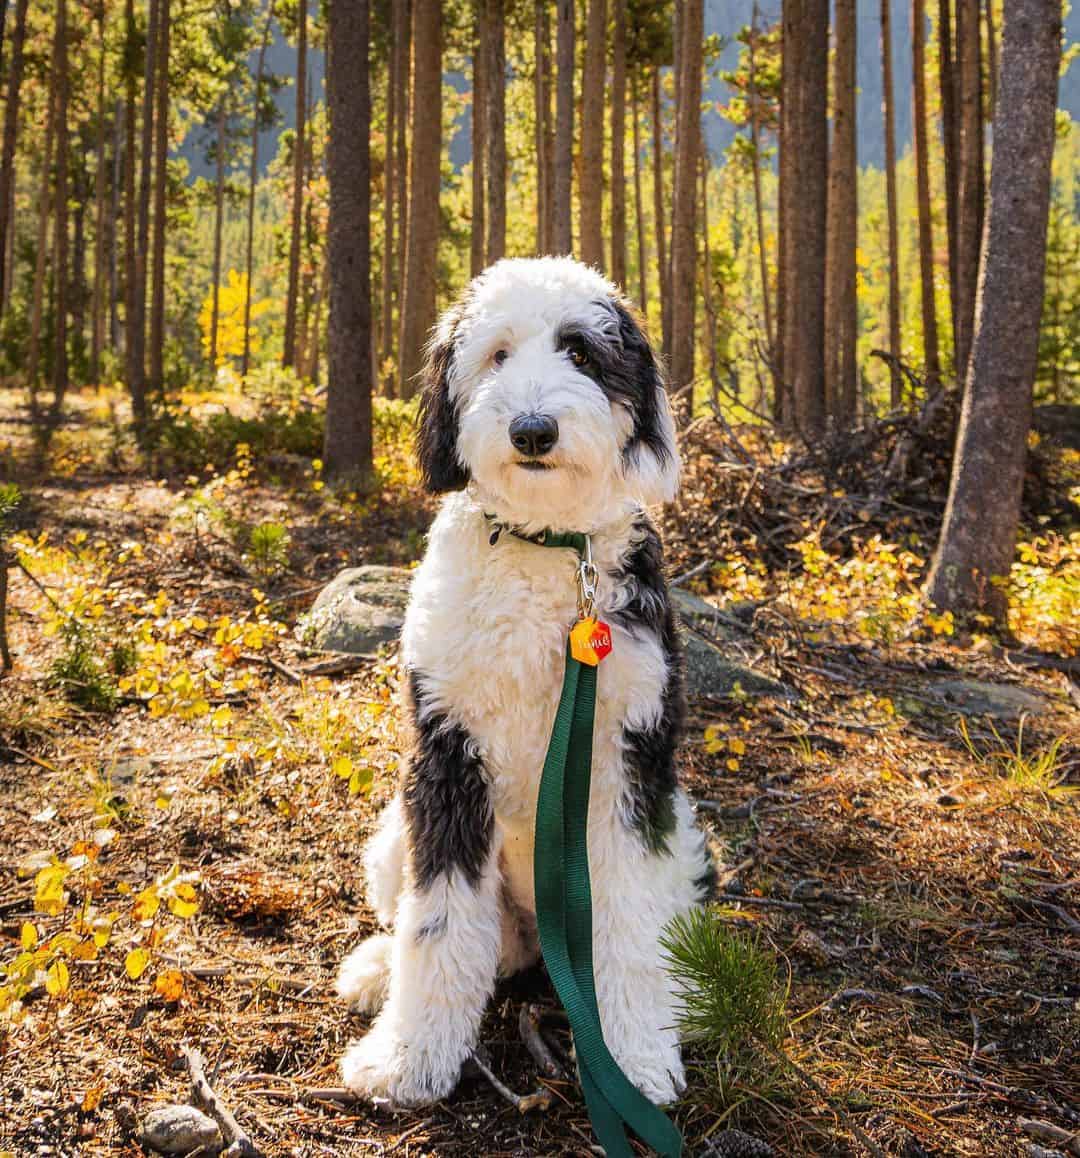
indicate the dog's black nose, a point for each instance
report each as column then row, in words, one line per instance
column 534, row 434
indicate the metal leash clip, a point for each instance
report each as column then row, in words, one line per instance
column 587, row 578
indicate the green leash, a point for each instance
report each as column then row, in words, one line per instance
column 564, row 898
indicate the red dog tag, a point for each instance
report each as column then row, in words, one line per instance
column 590, row 641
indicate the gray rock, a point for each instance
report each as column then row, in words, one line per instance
column 980, row 698
column 358, row 610
column 180, row 1130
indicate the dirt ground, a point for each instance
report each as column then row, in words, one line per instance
column 919, row 888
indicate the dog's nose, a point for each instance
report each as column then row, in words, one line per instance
column 534, row 434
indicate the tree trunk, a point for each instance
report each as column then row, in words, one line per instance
column 138, row 324
column 896, row 380
column 544, row 138
column 41, row 248
column 135, row 382
column 591, row 177
column 978, row 537
column 991, row 60
column 97, row 324
column 60, row 236
column 618, row 145
column 112, row 222
column 707, row 300
column 219, row 222
column 841, row 317
column 402, row 30
column 495, row 67
column 288, row 357
column 161, row 185
column 950, row 135
column 418, row 304
column 971, row 190
column 920, row 146
column 804, row 186
column 683, row 223
column 759, row 201
column 386, row 314
column 253, row 180
column 347, row 445
column 659, row 227
column 11, row 132
column 478, row 238
column 563, row 240
column 639, row 205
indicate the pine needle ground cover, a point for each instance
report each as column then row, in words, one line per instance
column 895, row 951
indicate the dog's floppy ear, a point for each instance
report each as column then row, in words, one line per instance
column 652, row 454
column 436, row 443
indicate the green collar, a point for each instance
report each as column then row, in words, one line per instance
column 574, row 540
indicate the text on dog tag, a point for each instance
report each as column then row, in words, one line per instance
column 590, row 641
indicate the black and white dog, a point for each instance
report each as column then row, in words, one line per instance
column 543, row 408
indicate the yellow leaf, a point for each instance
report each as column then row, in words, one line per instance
column 92, row 1098
column 343, row 767
column 57, row 979
column 360, row 780
column 737, row 746
column 733, row 765
column 184, row 901
column 28, row 935
column 135, row 963
column 84, row 951
column 101, row 931
column 170, row 984
column 222, row 717
column 146, row 904
column 49, row 894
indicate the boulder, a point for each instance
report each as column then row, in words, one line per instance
column 982, row 698
column 358, row 610
column 180, row 1130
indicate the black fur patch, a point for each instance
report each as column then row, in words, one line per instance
column 447, row 804
column 627, row 372
column 436, row 443
column 649, row 757
column 708, row 883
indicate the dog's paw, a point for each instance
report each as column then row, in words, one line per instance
column 364, row 975
column 658, row 1073
column 381, row 1066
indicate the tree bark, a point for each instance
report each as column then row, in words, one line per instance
column 639, row 204
column 11, row 132
column 618, row 144
column 138, row 318
column 759, row 201
column 950, row 135
column 971, row 184
column 112, row 222
column 495, row 66
column 683, row 223
column 253, row 180
column 841, row 317
column 418, row 305
column 386, row 313
column 991, row 60
column 562, row 240
column 41, row 248
column 97, row 323
column 978, row 537
column 591, row 178
column 347, row 444
column 896, row 381
column 219, row 222
column 161, row 185
column 136, row 384
column 288, row 356
column 478, row 239
column 543, row 128
column 659, row 226
column 920, row 146
column 402, row 31
column 60, row 236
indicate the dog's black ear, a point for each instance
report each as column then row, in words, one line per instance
column 652, row 453
column 436, row 443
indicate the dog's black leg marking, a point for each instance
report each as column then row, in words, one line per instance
column 447, row 803
column 649, row 754
column 708, row 882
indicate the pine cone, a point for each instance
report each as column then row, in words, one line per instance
column 736, row 1144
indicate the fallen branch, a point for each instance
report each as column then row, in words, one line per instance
column 238, row 1144
column 529, row 1028
column 1069, row 1141
column 523, row 1103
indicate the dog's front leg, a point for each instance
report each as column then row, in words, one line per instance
column 446, row 932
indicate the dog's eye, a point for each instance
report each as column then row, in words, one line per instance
column 578, row 354
column 500, row 356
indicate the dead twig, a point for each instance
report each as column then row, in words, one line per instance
column 529, row 1028
column 538, row 1100
column 238, row 1144
column 294, row 677
column 1067, row 1140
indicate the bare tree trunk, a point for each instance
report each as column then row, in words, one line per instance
column 563, row 241
column 841, row 317
column 386, row 314
column 950, row 135
column 478, row 238
column 969, row 225
column 219, row 222
column 978, row 537
column 896, row 380
column 992, row 59
column 136, row 383
column 544, row 139
column 60, row 257
column 41, row 249
column 639, row 205
column 138, row 320
column 253, row 180
column 711, row 328
column 418, row 304
column 920, row 146
column 591, row 181
column 759, row 201
column 161, row 185
column 618, row 145
column 662, row 267
column 496, row 130
column 97, row 325
column 11, row 132
column 288, row 356
column 112, row 222
column 347, row 445
column 683, row 224
column 402, row 30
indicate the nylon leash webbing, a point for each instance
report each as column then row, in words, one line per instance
column 564, row 910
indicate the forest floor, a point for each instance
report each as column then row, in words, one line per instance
column 183, row 792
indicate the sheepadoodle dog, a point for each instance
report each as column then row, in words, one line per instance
column 543, row 408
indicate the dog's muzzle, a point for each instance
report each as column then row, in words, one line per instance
column 534, row 434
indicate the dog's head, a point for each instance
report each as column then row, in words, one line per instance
column 543, row 392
